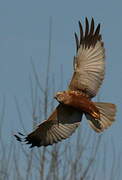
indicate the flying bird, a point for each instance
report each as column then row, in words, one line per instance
column 88, row 75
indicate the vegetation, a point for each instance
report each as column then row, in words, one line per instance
column 81, row 157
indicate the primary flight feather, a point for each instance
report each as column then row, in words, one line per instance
column 89, row 70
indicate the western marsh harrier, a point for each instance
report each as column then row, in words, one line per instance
column 89, row 70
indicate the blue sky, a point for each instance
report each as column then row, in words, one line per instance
column 24, row 33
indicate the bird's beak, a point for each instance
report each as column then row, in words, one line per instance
column 55, row 96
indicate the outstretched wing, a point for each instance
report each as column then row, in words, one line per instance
column 60, row 125
column 89, row 62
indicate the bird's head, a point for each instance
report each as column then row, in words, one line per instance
column 61, row 97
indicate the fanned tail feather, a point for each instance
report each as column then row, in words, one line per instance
column 107, row 116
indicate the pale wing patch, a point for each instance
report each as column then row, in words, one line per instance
column 90, row 66
column 53, row 134
column 89, row 63
column 60, row 125
column 60, row 132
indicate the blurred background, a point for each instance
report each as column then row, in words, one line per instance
column 37, row 47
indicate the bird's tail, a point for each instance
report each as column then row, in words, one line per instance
column 107, row 116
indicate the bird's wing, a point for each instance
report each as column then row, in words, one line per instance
column 89, row 62
column 60, row 125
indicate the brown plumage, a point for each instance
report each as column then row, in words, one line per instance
column 80, row 101
column 89, row 70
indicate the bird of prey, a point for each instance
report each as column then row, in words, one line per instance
column 89, row 70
